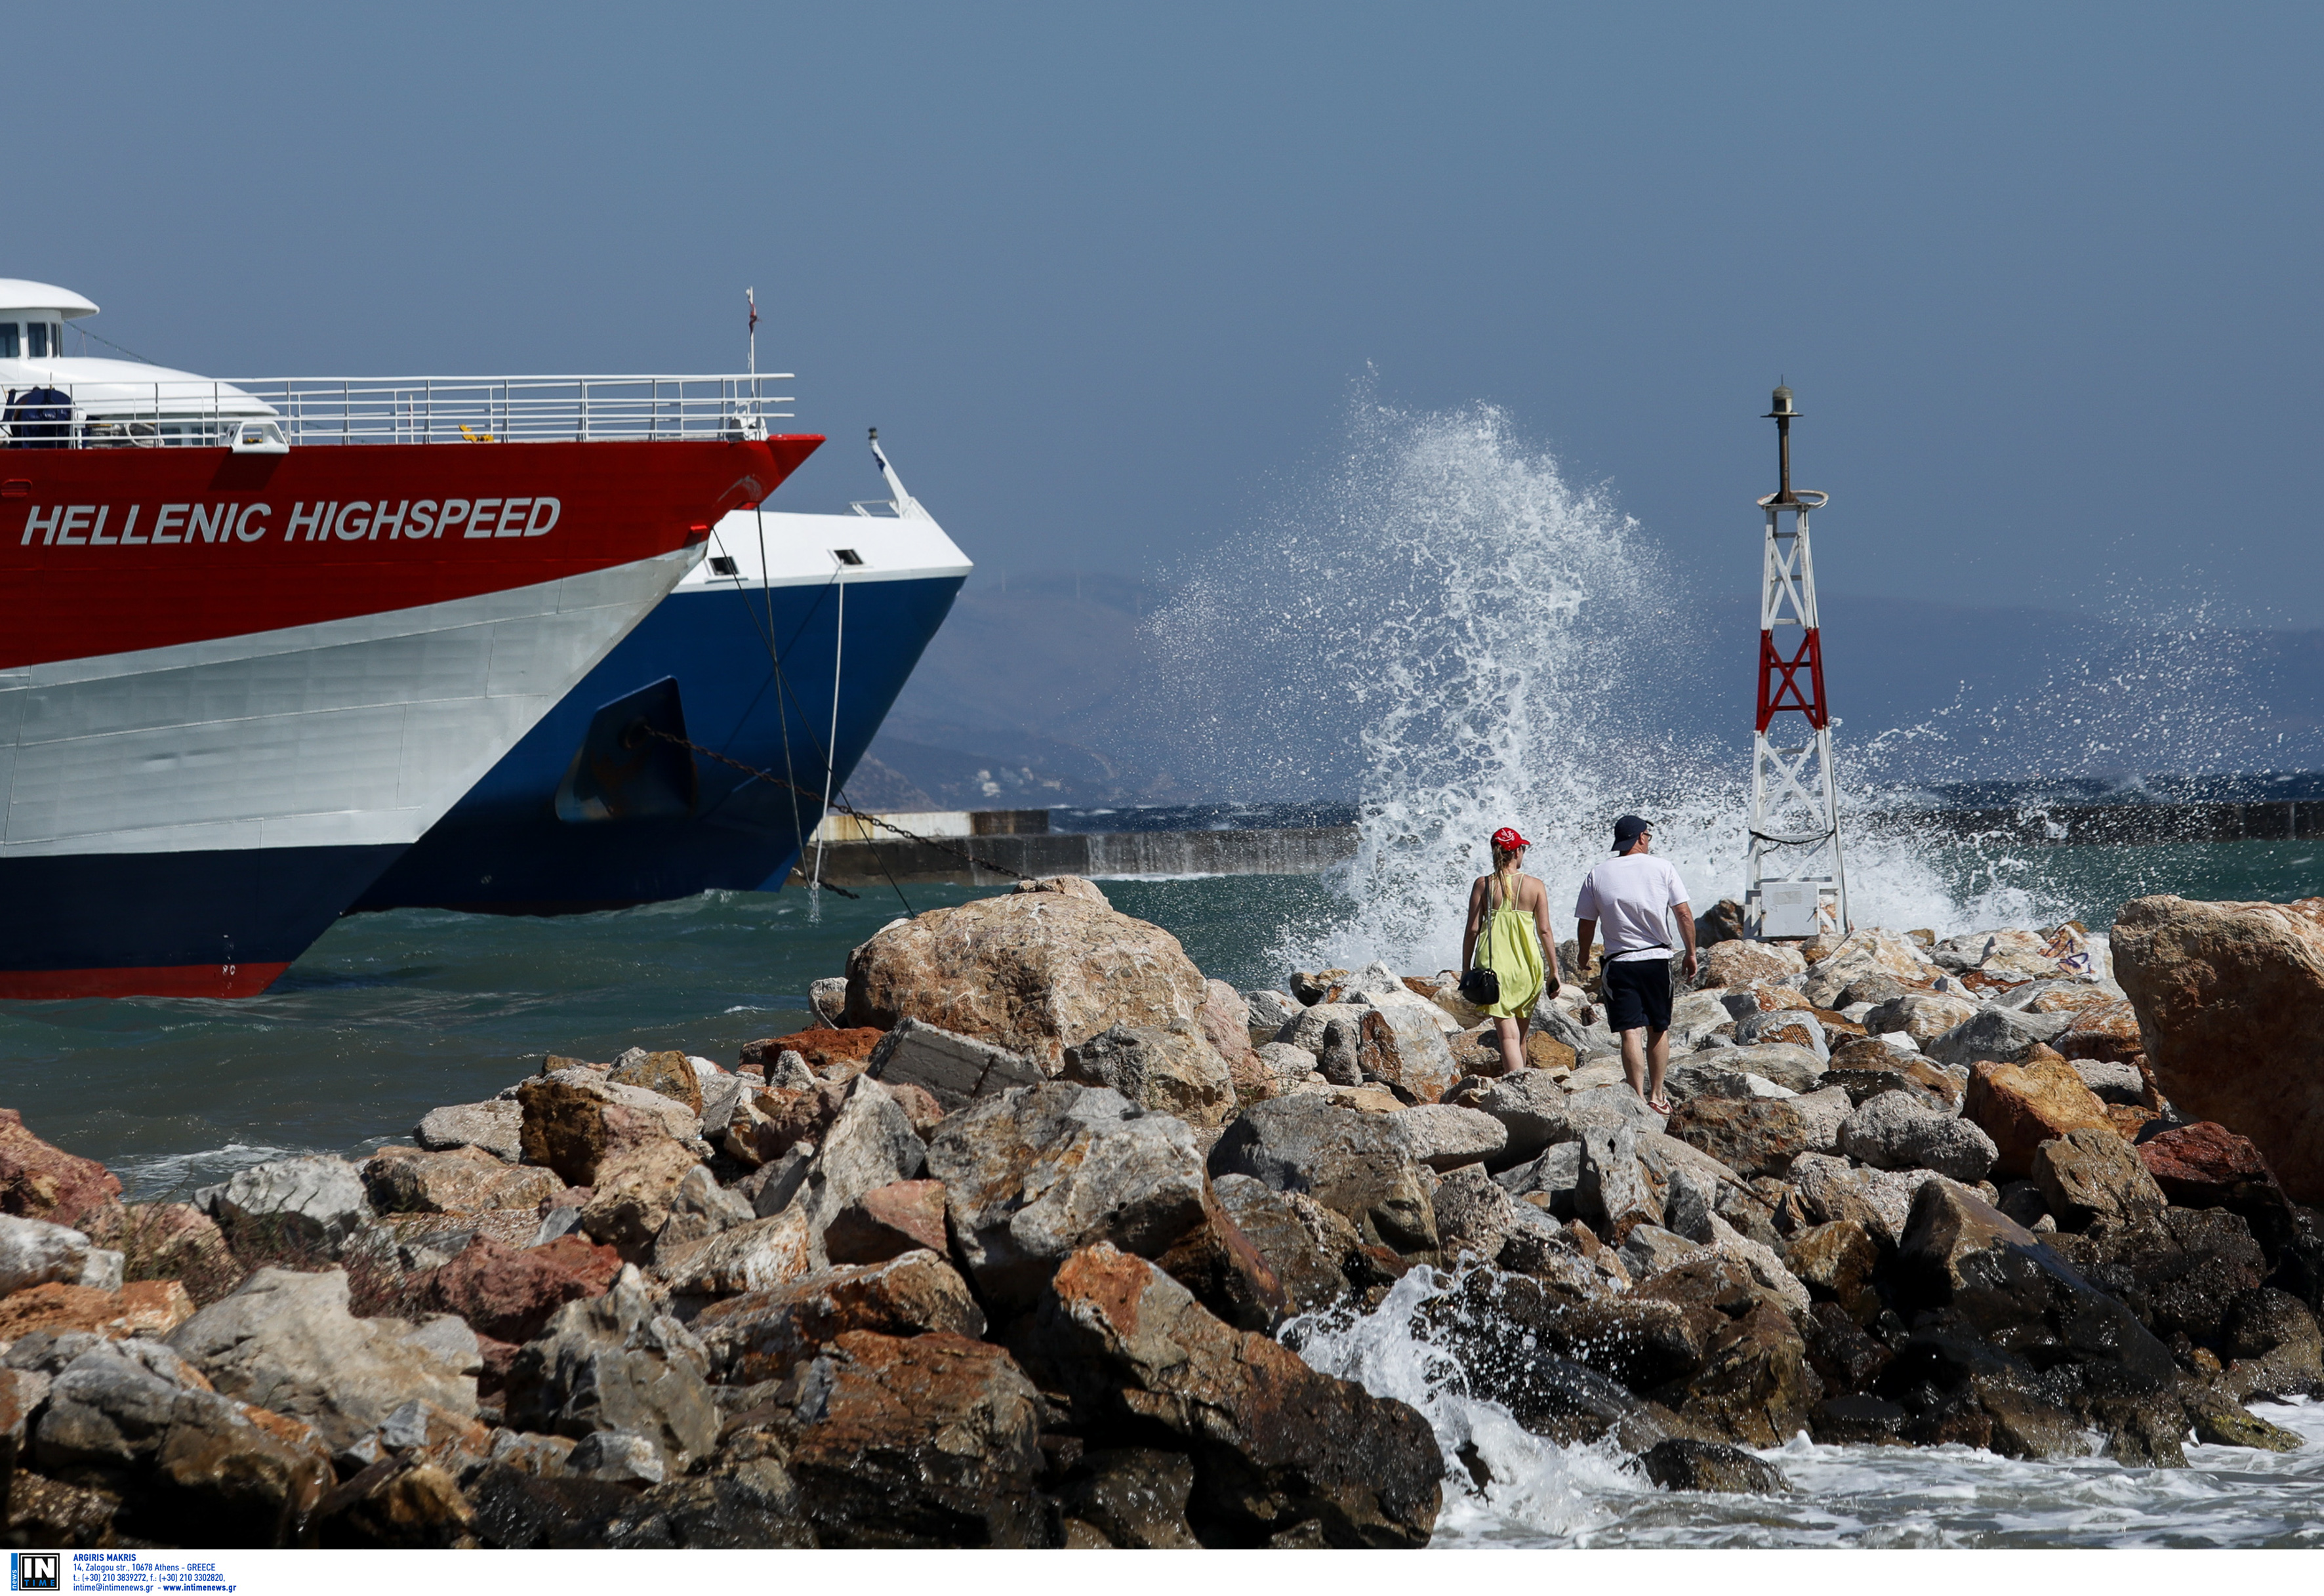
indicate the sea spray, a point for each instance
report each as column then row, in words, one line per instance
column 1505, row 1487
column 1501, row 1482
column 1475, row 642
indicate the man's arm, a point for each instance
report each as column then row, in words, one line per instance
column 1585, row 926
column 1684, row 910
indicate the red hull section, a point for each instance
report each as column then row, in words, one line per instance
column 128, row 549
column 168, row 981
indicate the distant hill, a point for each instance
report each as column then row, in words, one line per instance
column 1047, row 689
column 1019, row 701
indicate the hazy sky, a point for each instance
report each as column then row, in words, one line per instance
column 2045, row 278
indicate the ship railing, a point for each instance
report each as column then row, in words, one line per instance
column 192, row 413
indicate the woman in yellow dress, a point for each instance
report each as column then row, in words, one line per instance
column 1509, row 934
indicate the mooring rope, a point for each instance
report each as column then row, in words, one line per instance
column 840, row 804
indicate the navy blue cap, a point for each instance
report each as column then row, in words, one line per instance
column 1627, row 830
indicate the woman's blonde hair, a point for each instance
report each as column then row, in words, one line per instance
column 1505, row 857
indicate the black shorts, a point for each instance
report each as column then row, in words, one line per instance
column 1639, row 993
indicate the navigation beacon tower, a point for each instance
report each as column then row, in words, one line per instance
column 1796, row 884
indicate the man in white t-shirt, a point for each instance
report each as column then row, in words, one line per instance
column 1634, row 894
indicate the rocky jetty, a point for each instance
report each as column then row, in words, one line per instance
column 1017, row 1247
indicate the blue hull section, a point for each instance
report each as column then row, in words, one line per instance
column 522, row 843
column 208, row 923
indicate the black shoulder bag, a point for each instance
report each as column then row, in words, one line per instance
column 1479, row 985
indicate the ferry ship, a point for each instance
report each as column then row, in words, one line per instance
column 704, row 748
column 260, row 636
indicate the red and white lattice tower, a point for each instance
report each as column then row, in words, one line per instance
column 1797, row 882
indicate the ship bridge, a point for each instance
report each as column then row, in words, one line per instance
column 55, row 400
column 32, row 316
column 58, row 400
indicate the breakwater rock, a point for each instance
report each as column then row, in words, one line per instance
column 1018, row 1248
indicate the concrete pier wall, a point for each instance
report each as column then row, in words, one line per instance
column 1011, row 840
column 2118, row 824
column 1301, row 850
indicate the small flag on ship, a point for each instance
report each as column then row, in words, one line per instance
column 750, row 298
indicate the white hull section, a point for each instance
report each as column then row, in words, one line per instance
column 800, row 550
column 357, row 732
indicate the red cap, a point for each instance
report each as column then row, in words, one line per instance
column 1507, row 837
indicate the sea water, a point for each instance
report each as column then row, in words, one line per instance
column 1447, row 619
column 1536, row 1493
column 1500, row 640
column 1450, row 604
column 392, row 1014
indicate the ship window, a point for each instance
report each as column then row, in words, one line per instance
column 8, row 340
column 847, row 557
column 722, row 563
column 38, row 332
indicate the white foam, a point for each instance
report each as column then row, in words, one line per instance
column 1499, row 641
column 174, row 1177
column 1543, row 1494
column 1536, row 1489
column 1189, row 875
